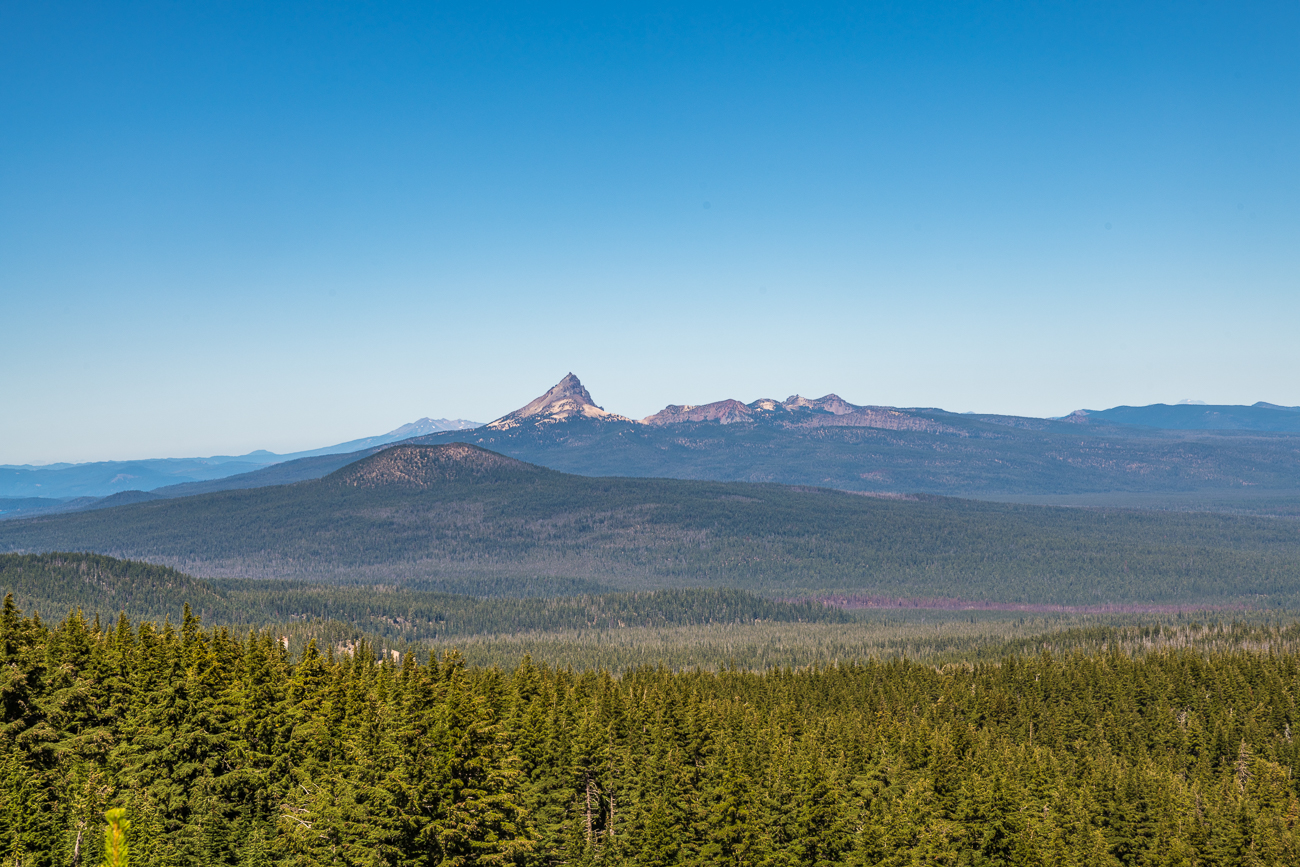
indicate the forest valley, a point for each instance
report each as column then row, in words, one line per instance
column 227, row 749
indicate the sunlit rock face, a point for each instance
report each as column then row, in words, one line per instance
column 566, row 400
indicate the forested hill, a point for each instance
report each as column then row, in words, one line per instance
column 228, row 751
column 103, row 587
column 55, row 583
column 480, row 524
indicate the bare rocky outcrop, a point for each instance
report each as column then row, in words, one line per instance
column 722, row 412
column 796, row 411
column 733, row 411
column 566, row 400
column 831, row 403
column 569, row 400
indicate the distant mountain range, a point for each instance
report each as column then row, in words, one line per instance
column 1183, row 456
column 58, row 484
column 1082, row 459
column 1256, row 417
column 569, row 400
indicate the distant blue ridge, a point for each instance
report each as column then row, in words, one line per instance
column 1259, row 417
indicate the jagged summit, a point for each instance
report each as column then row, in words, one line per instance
column 422, row 466
column 832, row 403
column 568, row 399
column 732, row 411
column 722, row 412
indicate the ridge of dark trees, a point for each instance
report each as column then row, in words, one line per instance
column 102, row 587
column 541, row 532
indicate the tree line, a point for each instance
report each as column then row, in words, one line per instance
column 227, row 749
column 100, row 585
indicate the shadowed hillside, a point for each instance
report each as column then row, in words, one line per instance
column 102, row 587
column 460, row 519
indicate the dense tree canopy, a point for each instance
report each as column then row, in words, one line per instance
column 104, row 586
column 226, row 749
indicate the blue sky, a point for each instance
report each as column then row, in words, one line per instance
column 236, row 226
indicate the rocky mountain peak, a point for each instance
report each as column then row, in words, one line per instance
column 722, row 412
column 831, row 403
column 566, row 400
column 792, row 410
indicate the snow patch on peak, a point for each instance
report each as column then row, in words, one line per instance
column 431, row 425
column 566, row 400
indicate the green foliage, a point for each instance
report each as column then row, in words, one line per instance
column 225, row 750
column 934, row 637
column 102, row 587
column 56, row 583
column 399, row 614
column 115, row 846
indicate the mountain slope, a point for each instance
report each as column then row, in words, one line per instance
column 943, row 454
column 56, row 583
column 1260, row 417
column 566, row 400
column 459, row 519
column 286, row 473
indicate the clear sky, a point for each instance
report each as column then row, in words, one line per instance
column 265, row 225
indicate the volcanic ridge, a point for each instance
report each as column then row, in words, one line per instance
column 424, row 466
column 570, row 400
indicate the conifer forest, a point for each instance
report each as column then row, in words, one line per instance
column 186, row 745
